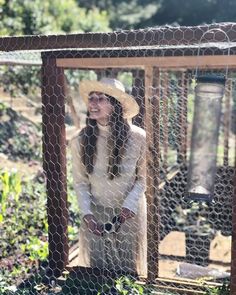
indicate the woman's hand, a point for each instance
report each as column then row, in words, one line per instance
column 125, row 214
column 93, row 225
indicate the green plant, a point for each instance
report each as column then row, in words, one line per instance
column 10, row 187
column 24, row 17
column 18, row 80
column 93, row 284
column 36, row 248
column 126, row 285
column 3, row 108
column 222, row 290
column 19, row 139
column 24, row 227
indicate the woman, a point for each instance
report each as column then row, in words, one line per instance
column 109, row 179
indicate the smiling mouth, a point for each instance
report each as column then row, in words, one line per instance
column 94, row 110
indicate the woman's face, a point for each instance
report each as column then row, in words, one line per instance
column 99, row 107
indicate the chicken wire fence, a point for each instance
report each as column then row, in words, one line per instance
column 183, row 226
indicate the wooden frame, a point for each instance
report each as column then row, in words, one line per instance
column 141, row 42
column 167, row 62
column 170, row 36
column 54, row 164
column 148, row 63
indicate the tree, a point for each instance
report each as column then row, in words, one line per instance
column 124, row 14
column 26, row 17
column 192, row 12
column 140, row 14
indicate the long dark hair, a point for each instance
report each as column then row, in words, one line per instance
column 119, row 132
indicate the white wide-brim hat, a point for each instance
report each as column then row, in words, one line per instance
column 111, row 87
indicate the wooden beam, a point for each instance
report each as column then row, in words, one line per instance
column 54, row 163
column 156, row 151
column 181, row 117
column 170, row 62
column 152, row 226
column 144, row 37
column 165, row 117
column 226, row 117
column 233, row 244
column 138, row 92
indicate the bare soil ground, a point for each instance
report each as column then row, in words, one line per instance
column 174, row 244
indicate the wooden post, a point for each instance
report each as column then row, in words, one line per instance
column 165, row 125
column 139, row 93
column 233, row 246
column 156, row 131
column 156, row 156
column 152, row 234
column 54, row 163
column 182, row 118
column 228, row 96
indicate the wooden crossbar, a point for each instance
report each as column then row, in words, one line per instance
column 166, row 62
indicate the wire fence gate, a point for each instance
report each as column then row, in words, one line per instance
column 190, row 142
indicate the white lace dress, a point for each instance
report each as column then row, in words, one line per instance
column 97, row 194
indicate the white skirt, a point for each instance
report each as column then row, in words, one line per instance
column 124, row 251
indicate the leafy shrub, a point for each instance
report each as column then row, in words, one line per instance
column 19, row 139
column 24, row 227
column 222, row 290
column 93, row 284
column 21, row 80
column 125, row 286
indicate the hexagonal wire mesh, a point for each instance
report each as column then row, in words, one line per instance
column 172, row 239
